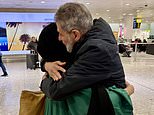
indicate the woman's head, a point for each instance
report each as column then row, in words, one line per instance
column 49, row 47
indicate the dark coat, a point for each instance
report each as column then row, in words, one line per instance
column 95, row 63
column 95, row 59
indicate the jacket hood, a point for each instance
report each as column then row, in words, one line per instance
column 102, row 30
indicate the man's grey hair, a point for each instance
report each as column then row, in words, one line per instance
column 74, row 16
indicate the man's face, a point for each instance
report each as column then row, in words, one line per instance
column 33, row 39
column 67, row 38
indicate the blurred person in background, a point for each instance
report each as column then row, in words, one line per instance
column 32, row 45
column 2, row 66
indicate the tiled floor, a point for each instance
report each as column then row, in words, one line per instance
column 140, row 73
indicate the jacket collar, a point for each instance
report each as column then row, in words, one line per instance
column 100, row 30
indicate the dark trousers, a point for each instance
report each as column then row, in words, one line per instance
column 2, row 66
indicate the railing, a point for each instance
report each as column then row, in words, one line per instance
column 14, row 56
column 135, row 47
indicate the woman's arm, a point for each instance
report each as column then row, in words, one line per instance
column 129, row 88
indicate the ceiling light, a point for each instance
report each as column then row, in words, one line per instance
column 97, row 13
column 107, row 10
column 124, row 14
column 127, row 4
column 130, row 14
column 109, row 17
column 137, row 10
column 42, row 2
column 87, row 3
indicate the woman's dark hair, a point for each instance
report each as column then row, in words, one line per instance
column 49, row 47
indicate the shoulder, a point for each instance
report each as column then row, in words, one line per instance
column 93, row 44
column 97, row 48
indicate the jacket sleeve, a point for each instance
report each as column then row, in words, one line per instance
column 85, row 71
column 42, row 65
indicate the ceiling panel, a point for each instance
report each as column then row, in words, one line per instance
column 118, row 8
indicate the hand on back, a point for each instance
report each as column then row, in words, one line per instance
column 53, row 69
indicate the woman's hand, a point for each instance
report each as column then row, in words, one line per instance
column 129, row 88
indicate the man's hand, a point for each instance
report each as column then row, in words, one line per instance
column 53, row 67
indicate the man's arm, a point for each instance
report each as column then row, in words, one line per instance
column 90, row 68
column 87, row 70
column 59, row 90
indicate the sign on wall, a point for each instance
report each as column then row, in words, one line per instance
column 17, row 28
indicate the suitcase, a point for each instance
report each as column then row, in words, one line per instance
column 32, row 61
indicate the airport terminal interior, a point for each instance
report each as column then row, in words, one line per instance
column 132, row 23
column 138, row 72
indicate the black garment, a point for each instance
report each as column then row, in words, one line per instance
column 100, row 103
column 95, row 60
column 125, row 50
column 122, row 48
column 49, row 47
column 32, row 46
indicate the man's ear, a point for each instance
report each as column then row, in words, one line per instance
column 77, row 35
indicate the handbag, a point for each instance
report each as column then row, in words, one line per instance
column 32, row 103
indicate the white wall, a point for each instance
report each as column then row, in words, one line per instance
column 114, row 26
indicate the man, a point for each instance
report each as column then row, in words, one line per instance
column 2, row 66
column 95, row 63
column 32, row 45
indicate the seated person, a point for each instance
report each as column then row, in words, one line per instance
column 126, row 50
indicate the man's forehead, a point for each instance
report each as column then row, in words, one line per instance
column 58, row 26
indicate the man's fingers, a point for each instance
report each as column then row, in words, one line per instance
column 55, row 74
column 53, row 69
column 52, row 75
column 60, row 63
column 59, row 68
